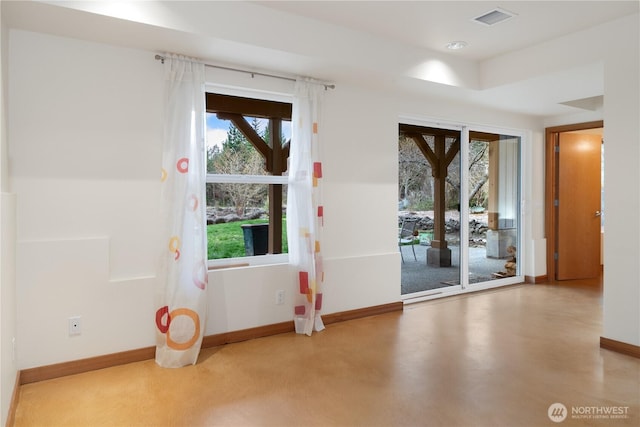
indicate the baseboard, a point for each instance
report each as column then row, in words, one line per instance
column 73, row 367
column 13, row 405
column 109, row 360
column 362, row 312
column 620, row 347
column 284, row 327
column 536, row 279
column 247, row 334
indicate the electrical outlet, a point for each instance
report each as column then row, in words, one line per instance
column 279, row 297
column 74, row 325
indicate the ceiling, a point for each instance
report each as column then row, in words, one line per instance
column 432, row 24
column 395, row 45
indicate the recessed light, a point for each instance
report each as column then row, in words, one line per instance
column 456, row 45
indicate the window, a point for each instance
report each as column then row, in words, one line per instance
column 247, row 152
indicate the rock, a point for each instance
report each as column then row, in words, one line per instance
column 231, row 218
column 222, row 215
column 254, row 215
column 425, row 223
column 477, row 229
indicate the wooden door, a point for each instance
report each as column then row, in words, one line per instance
column 578, row 206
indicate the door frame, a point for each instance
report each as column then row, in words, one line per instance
column 551, row 190
column 464, row 286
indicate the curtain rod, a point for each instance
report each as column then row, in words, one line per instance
column 255, row 73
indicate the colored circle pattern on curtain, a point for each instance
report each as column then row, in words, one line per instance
column 183, row 274
column 305, row 213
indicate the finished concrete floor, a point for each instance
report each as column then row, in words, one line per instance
column 493, row 358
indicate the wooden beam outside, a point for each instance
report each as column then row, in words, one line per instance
column 451, row 153
column 243, row 126
column 439, row 183
column 285, row 154
column 275, row 216
column 275, row 135
column 217, row 103
column 427, row 152
column 439, row 161
column 406, row 129
column 482, row 136
column 275, row 190
column 473, row 135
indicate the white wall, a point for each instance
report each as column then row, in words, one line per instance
column 8, row 367
column 8, row 363
column 84, row 141
column 621, row 113
column 621, row 302
column 85, row 149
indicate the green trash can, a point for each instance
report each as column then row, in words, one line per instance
column 256, row 239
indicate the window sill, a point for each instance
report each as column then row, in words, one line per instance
column 250, row 261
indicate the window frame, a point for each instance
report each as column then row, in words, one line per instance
column 247, row 261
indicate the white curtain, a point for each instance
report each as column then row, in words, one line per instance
column 304, row 206
column 181, row 305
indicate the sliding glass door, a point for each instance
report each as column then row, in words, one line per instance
column 429, row 192
column 462, row 187
column 493, row 188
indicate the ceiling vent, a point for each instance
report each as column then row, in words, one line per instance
column 494, row 17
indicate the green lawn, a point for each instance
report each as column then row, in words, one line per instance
column 227, row 241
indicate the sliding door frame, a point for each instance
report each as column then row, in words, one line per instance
column 464, row 129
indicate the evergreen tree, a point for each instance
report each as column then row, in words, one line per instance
column 239, row 157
